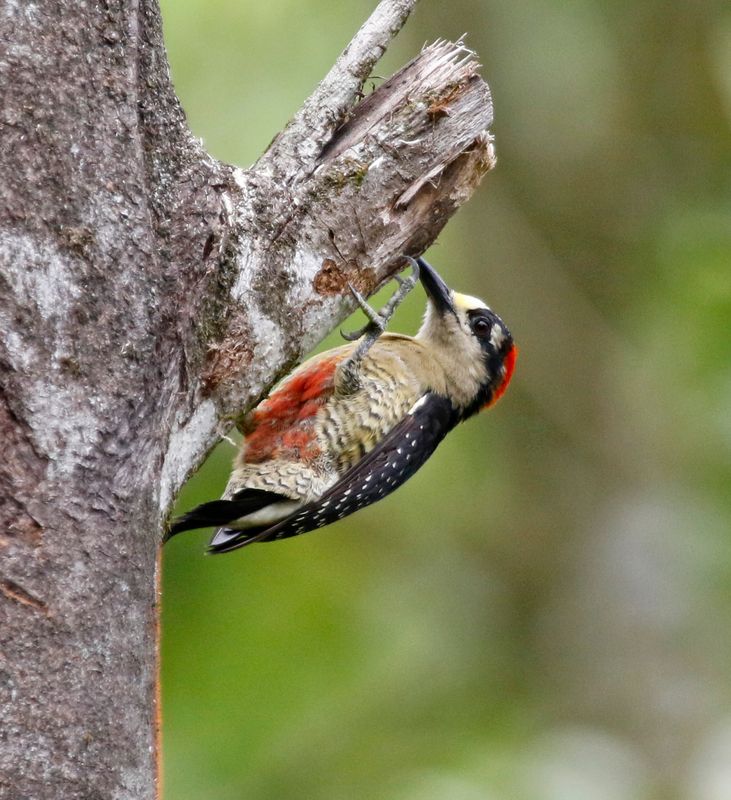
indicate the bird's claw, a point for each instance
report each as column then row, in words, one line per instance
column 353, row 336
column 377, row 320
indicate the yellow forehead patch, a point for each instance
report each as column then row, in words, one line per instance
column 465, row 302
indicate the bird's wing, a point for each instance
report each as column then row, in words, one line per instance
column 395, row 459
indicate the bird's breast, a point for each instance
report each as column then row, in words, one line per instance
column 349, row 426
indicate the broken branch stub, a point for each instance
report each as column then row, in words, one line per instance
column 300, row 142
column 382, row 185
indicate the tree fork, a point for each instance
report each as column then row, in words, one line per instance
column 148, row 295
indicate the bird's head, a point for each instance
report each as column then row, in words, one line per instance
column 472, row 343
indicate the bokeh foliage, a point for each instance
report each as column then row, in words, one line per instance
column 543, row 612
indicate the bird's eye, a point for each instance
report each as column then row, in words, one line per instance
column 481, row 327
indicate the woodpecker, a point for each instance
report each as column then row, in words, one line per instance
column 350, row 425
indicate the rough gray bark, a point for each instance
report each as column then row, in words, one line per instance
column 148, row 295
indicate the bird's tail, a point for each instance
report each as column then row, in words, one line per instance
column 227, row 539
column 217, row 512
column 222, row 512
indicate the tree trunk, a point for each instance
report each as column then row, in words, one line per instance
column 148, row 295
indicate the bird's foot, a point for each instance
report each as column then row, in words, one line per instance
column 377, row 321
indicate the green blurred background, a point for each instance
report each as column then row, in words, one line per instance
column 543, row 612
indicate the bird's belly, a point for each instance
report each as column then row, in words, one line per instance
column 351, row 427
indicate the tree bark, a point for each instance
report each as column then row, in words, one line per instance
column 148, row 295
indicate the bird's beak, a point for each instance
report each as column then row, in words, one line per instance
column 437, row 290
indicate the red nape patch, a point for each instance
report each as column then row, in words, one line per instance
column 283, row 423
column 509, row 365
